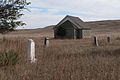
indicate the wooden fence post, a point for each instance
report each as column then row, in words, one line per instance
column 96, row 41
column 108, row 39
column 31, row 51
column 46, row 42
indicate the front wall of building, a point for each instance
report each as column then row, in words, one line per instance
column 70, row 31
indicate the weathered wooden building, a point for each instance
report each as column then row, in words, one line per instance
column 71, row 28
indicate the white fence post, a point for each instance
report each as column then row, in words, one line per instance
column 31, row 51
column 46, row 42
column 96, row 41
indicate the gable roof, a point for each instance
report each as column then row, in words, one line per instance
column 76, row 21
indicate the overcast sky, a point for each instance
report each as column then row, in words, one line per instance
column 49, row 12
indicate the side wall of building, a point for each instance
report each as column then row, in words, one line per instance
column 86, row 33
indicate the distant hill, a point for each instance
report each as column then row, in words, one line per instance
column 49, row 27
column 107, row 24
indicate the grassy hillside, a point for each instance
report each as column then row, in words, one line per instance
column 40, row 32
column 108, row 24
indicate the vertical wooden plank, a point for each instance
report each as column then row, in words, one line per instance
column 75, row 34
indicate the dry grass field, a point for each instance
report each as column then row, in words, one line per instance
column 63, row 59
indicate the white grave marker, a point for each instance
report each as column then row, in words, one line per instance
column 31, row 51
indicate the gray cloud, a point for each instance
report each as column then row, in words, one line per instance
column 57, row 9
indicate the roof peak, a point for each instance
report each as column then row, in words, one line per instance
column 71, row 16
column 74, row 20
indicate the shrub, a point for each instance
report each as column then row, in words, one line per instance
column 8, row 58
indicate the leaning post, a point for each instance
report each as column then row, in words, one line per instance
column 31, row 51
column 46, row 42
column 108, row 39
column 96, row 41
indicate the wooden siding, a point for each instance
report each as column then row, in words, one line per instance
column 69, row 30
column 79, row 34
column 86, row 33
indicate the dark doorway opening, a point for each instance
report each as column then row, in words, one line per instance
column 79, row 33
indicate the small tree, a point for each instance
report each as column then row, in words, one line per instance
column 61, row 31
column 10, row 13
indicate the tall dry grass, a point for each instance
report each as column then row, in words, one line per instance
column 63, row 60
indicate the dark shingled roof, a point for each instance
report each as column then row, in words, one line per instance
column 77, row 22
